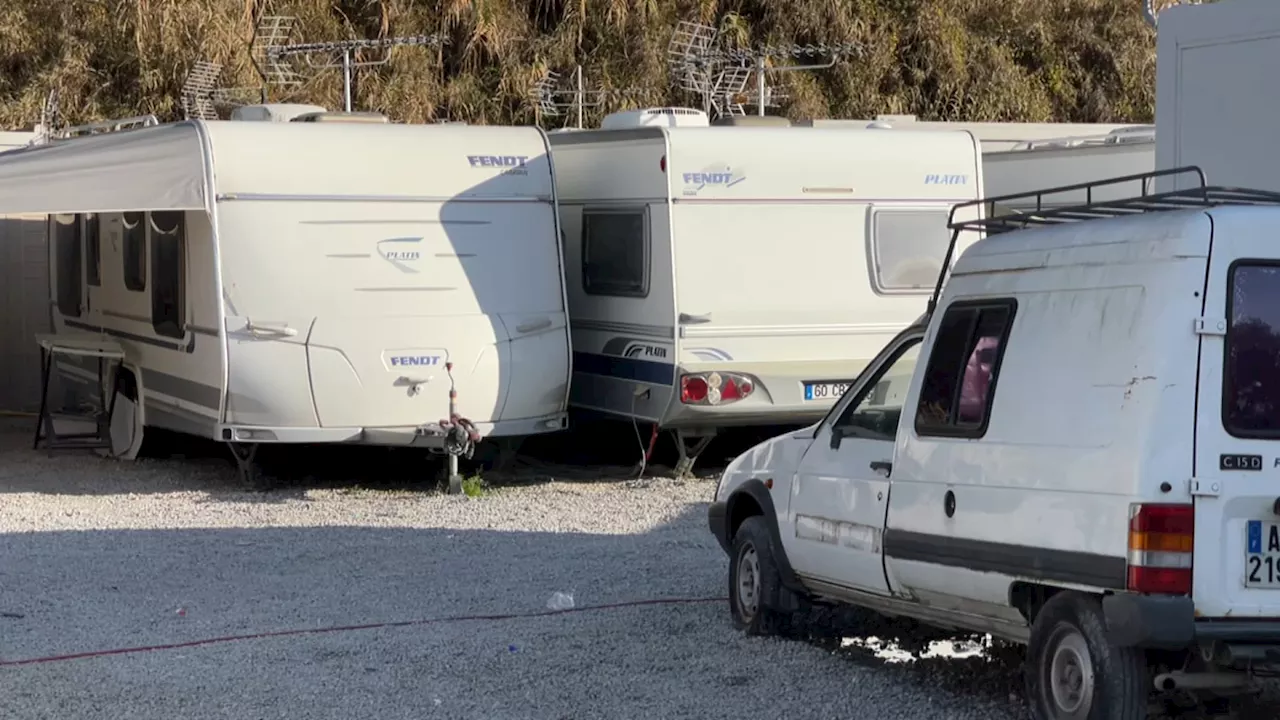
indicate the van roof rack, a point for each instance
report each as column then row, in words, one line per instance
column 1200, row 196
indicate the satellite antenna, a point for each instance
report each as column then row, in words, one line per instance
column 274, row 54
column 550, row 98
column 48, row 126
column 1150, row 9
column 700, row 64
column 201, row 97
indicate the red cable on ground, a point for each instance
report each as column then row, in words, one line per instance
column 348, row 628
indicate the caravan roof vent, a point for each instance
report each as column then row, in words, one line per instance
column 342, row 117
column 273, row 112
column 656, row 117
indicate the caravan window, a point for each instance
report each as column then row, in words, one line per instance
column 168, row 236
column 92, row 250
column 907, row 249
column 135, row 252
column 68, row 261
column 615, row 253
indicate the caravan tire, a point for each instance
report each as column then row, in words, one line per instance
column 754, row 581
column 1073, row 672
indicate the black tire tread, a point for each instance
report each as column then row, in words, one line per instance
column 768, row 620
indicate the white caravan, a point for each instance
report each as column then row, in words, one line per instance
column 312, row 282
column 1214, row 65
column 730, row 276
column 994, row 136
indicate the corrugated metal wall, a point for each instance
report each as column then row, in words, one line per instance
column 24, row 310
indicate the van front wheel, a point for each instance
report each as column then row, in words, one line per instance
column 1074, row 673
column 754, row 580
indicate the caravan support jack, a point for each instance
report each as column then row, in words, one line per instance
column 701, row 437
column 246, row 455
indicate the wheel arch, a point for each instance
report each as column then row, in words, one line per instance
column 750, row 499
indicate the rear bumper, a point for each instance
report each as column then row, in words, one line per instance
column 1170, row 623
column 406, row 436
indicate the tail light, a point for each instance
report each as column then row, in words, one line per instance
column 715, row 388
column 1161, row 543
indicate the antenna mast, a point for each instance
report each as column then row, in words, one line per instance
column 1150, row 9
column 551, row 98
column 274, row 54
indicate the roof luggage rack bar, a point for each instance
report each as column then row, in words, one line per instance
column 106, row 126
column 1200, row 196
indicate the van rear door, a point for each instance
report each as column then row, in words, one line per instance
column 1236, row 489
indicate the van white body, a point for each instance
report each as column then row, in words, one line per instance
column 1214, row 66
column 1131, row 377
column 785, row 256
column 319, row 278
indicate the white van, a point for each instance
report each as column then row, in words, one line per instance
column 1075, row 449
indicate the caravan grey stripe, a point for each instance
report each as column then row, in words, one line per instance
column 381, row 221
column 188, row 348
column 606, row 203
column 274, row 197
column 662, row 332
column 127, row 316
column 171, row 385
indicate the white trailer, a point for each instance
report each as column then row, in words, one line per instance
column 731, row 276
column 310, row 282
column 1215, row 99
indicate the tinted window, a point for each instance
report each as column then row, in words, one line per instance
column 615, row 253
column 959, row 382
column 168, row 237
column 92, row 250
column 66, row 233
column 908, row 247
column 135, row 251
column 1251, row 378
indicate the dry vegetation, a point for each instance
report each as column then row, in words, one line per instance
column 1027, row 60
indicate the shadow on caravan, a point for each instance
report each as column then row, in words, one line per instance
column 736, row 276
column 309, row 278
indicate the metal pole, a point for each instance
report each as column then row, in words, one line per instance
column 760, row 87
column 346, row 79
column 578, row 72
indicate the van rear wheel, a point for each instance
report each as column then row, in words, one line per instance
column 1074, row 673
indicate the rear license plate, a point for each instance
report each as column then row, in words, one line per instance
column 1262, row 555
column 825, row 390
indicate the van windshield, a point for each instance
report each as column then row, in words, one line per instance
column 1251, row 388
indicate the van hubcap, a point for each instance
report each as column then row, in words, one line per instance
column 1071, row 675
column 748, row 581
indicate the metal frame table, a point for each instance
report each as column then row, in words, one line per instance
column 77, row 346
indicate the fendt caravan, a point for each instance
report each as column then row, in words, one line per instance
column 312, row 281
column 731, row 276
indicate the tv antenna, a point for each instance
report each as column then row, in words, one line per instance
column 201, row 97
column 49, row 118
column 275, row 55
column 551, row 98
column 1151, row 8
column 701, row 63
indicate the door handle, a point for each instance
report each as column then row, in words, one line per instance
column 881, row 465
column 534, row 325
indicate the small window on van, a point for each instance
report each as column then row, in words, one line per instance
column 907, row 249
column 135, row 251
column 960, row 379
column 168, row 236
column 69, row 264
column 615, row 253
column 1251, row 377
column 92, row 250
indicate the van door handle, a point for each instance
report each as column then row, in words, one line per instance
column 879, row 465
column 534, row 325
column 687, row 319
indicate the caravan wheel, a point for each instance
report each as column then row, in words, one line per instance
column 126, row 417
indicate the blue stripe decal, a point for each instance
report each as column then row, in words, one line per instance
column 646, row 371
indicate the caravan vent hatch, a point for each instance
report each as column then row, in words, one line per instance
column 656, row 117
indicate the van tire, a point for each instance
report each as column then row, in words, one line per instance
column 754, row 581
column 1071, row 629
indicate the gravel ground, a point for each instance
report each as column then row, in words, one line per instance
column 97, row 555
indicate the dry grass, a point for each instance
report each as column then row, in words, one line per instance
column 1029, row 60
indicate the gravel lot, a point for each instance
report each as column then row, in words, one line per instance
column 97, row 555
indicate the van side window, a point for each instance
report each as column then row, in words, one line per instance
column 907, row 249
column 69, row 264
column 960, row 379
column 92, row 250
column 875, row 415
column 1251, row 383
column 615, row 253
column 135, row 251
column 168, row 237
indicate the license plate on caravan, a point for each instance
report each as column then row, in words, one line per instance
column 1262, row 555
column 825, row 390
